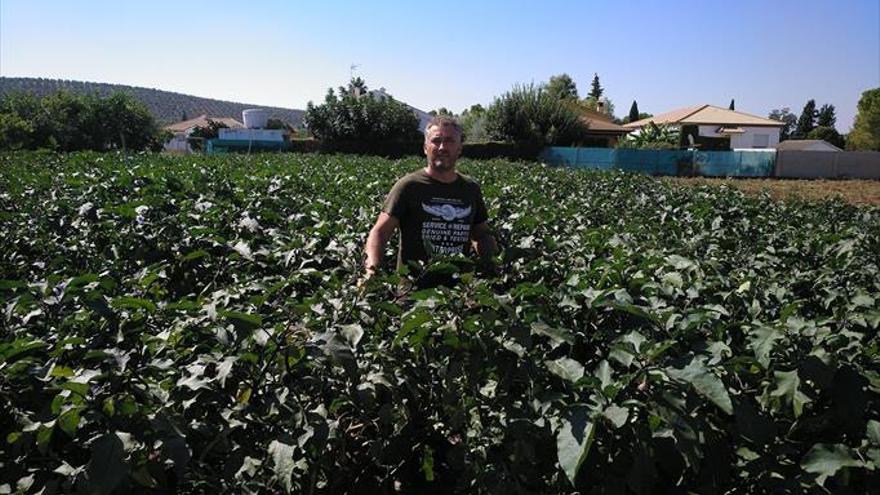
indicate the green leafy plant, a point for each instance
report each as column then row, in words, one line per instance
column 652, row 136
column 355, row 115
column 193, row 324
column 67, row 121
column 531, row 116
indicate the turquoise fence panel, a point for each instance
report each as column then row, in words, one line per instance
column 749, row 163
column 757, row 163
column 673, row 162
column 557, row 155
column 219, row 146
column 736, row 163
column 714, row 163
column 595, row 158
column 641, row 161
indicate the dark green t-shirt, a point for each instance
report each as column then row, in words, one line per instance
column 435, row 217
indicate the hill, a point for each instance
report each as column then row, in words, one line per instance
column 166, row 106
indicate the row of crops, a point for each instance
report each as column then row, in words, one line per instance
column 195, row 324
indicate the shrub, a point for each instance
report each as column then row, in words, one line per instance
column 529, row 115
column 865, row 134
column 66, row 121
column 353, row 116
column 200, row 134
column 828, row 134
column 653, row 136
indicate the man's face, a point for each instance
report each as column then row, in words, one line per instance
column 442, row 147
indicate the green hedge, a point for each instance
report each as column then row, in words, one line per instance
column 480, row 151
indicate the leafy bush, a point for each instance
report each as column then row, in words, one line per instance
column 67, row 122
column 828, row 134
column 199, row 135
column 473, row 123
column 15, row 132
column 356, row 117
column 531, row 116
column 653, row 136
column 865, row 134
column 192, row 324
column 785, row 116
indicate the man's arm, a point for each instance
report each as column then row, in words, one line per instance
column 376, row 241
column 482, row 241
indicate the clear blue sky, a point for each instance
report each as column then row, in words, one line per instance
column 664, row 54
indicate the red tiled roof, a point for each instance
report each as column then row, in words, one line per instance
column 202, row 121
column 706, row 115
column 599, row 122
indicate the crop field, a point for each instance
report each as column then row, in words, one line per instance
column 196, row 324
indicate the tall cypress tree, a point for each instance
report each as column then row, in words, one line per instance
column 731, row 107
column 807, row 121
column 596, row 90
column 634, row 112
column 826, row 117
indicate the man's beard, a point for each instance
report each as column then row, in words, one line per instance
column 443, row 164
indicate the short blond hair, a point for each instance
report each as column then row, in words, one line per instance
column 443, row 121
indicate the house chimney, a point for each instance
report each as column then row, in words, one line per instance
column 600, row 106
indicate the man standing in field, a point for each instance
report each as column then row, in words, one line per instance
column 438, row 210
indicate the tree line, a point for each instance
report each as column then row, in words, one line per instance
column 166, row 106
column 551, row 114
column 819, row 123
column 66, row 121
column 533, row 115
column 812, row 124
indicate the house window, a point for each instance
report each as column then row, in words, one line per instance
column 760, row 141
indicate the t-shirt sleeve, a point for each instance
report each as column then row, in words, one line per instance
column 481, row 215
column 394, row 204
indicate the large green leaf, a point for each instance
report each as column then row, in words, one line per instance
column 352, row 334
column 574, row 439
column 283, row 464
column 873, row 432
column 556, row 335
column 825, row 460
column 762, row 340
column 704, row 381
column 107, row 466
column 566, row 368
column 126, row 302
column 788, row 390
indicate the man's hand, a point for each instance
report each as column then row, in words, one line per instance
column 483, row 242
column 379, row 235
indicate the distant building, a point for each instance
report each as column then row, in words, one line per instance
column 182, row 130
column 712, row 127
column 601, row 132
column 254, row 136
column 806, row 145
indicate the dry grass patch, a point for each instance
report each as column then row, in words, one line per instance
column 858, row 192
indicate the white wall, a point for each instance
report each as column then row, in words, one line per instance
column 178, row 143
column 746, row 140
column 252, row 134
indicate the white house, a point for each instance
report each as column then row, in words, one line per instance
column 182, row 130
column 744, row 131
